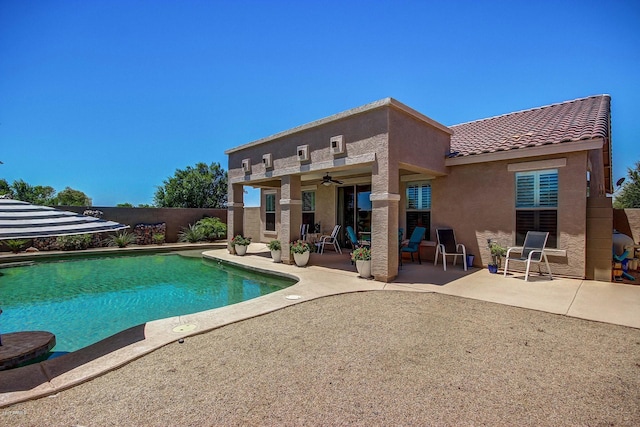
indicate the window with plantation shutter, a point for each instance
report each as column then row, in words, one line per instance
column 309, row 209
column 537, row 204
column 418, row 206
column 270, row 212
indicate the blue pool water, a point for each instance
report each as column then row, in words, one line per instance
column 85, row 301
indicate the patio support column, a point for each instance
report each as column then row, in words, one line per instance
column 385, row 200
column 235, row 211
column 290, row 213
column 384, row 237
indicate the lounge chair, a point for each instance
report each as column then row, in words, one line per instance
column 447, row 246
column 414, row 243
column 329, row 240
column 531, row 251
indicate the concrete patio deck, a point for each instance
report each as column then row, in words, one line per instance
column 327, row 274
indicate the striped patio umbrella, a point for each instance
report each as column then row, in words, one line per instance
column 21, row 220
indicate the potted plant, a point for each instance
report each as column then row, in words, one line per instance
column 497, row 252
column 301, row 251
column 362, row 258
column 276, row 250
column 240, row 243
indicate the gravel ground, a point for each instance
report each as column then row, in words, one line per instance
column 371, row 358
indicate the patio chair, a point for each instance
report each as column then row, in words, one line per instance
column 329, row 240
column 304, row 230
column 447, row 246
column 414, row 243
column 531, row 251
column 353, row 239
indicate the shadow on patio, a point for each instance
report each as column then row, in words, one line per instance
column 410, row 272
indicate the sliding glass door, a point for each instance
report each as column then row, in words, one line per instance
column 354, row 209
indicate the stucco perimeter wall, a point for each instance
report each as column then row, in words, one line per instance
column 478, row 202
column 175, row 218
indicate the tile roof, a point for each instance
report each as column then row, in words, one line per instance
column 577, row 120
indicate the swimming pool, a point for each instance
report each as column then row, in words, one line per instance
column 85, row 301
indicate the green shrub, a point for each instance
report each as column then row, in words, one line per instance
column 73, row 243
column 275, row 245
column 191, row 234
column 158, row 238
column 122, row 239
column 212, row 228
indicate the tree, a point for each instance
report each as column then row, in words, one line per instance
column 201, row 186
column 71, row 197
column 629, row 196
column 5, row 189
column 38, row 195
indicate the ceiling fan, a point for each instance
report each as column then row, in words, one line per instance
column 327, row 180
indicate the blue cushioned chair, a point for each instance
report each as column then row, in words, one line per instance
column 353, row 239
column 414, row 243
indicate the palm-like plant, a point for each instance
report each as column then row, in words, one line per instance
column 122, row 239
column 191, row 234
column 15, row 244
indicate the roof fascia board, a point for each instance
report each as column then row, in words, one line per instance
column 545, row 150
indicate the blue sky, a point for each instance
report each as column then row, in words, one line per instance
column 111, row 97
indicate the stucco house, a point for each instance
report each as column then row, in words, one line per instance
column 392, row 167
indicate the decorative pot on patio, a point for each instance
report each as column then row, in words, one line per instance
column 364, row 268
column 276, row 250
column 241, row 244
column 493, row 269
column 470, row 260
column 301, row 259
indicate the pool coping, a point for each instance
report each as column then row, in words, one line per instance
column 51, row 376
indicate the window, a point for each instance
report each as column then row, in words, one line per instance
column 537, row 204
column 270, row 212
column 419, row 207
column 309, row 209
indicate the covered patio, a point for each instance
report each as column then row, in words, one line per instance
column 343, row 170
